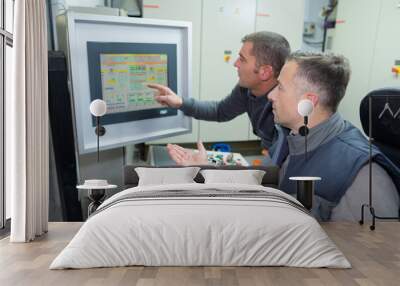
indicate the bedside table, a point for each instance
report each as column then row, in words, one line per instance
column 96, row 194
column 305, row 190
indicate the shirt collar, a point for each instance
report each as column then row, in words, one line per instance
column 318, row 135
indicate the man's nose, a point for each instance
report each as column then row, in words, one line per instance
column 271, row 95
column 236, row 63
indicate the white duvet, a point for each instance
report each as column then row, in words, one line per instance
column 200, row 231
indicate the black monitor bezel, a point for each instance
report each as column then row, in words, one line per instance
column 95, row 49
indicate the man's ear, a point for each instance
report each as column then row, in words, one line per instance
column 313, row 97
column 265, row 72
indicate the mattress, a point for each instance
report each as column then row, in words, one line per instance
column 201, row 225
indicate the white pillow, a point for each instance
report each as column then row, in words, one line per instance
column 164, row 176
column 248, row 177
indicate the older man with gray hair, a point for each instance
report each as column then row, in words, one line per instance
column 337, row 151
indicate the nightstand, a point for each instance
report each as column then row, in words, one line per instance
column 305, row 190
column 96, row 192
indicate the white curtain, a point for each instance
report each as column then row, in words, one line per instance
column 27, row 124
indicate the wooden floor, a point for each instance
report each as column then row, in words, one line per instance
column 374, row 255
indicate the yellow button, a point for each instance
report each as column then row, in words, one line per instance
column 396, row 69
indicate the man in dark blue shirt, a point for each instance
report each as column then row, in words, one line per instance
column 260, row 60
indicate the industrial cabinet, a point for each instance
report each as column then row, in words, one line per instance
column 284, row 17
column 224, row 24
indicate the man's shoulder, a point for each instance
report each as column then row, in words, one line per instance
column 239, row 94
column 352, row 138
column 237, row 89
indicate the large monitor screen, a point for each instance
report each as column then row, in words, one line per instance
column 119, row 73
column 124, row 78
column 113, row 58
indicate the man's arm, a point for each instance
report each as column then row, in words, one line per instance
column 224, row 110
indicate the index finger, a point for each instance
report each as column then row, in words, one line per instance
column 157, row 86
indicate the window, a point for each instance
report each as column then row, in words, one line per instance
column 6, row 44
column 9, row 16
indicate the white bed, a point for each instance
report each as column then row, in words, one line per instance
column 184, row 230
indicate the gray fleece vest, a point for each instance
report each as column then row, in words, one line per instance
column 337, row 162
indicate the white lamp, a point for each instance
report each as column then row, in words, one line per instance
column 305, row 107
column 98, row 108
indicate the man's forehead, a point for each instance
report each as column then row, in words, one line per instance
column 288, row 71
column 247, row 48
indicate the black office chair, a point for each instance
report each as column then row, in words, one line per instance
column 380, row 119
column 385, row 118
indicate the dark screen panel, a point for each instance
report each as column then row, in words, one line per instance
column 96, row 49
